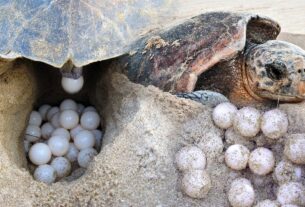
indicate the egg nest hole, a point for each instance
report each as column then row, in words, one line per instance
column 28, row 85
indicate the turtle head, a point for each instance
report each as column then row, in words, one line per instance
column 275, row 70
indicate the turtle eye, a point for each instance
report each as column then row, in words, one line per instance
column 275, row 71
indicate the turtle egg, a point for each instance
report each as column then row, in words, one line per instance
column 223, row 115
column 35, row 118
column 295, row 148
column 72, row 153
column 85, row 156
column 241, row 193
column 80, row 108
column 190, row 158
column 76, row 130
column 286, row 172
column 26, row 145
column 69, row 119
column 45, row 173
column 84, row 139
column 291, row 193
column 61, row 132
column 68, row 104
column 98, row 137
column 43, row 111
column 46, row 130
column 71, row 85
column 58, row 145
column 267, row 203
column 261, row 161
column 89, row 108
column 32, row 133
column 51, row 112
column 247, row 122
column 274, row 123
column 289, row 205
column 196, row 183
column 236, row 157
column 55, row 120
column 62, row 166
column 40, row 154
column 90, row 120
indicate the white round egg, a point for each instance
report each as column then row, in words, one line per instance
column 89, row 108
column 46, row 130
column 223, row 115
column 247, row 122
column 190, row 158
column 69, row 119
column 62, row 166
column 43, row 111
column 55, row 120
column 35, row 118
column 237, row 156
column 40, row 154
column 261, row 161
column 241, row 193
column 58, row 145
column 32, row 133
column 90, row 120
column 45, row 173
column 72, row 153
column 61, row 132
column 295, row 148
column 98, row 134
column 274, row 123
column 71, row 85
column 76, row 130
column 85, row 156
column 53, row 110
column 196, row 183
column 84, row 139
column 68, row 104
column 291, row 193
column 285, row 171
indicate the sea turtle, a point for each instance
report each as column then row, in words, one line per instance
column 231, row 53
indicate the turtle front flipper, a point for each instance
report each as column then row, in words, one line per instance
column 205, row 97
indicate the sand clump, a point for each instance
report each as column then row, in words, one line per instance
column 144, row 129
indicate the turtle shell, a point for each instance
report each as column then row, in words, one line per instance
column 78, row 31
column 174, row 58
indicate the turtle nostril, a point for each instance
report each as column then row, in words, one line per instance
column 299, row 71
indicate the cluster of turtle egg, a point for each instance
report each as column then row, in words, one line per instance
column 191, row 161
column 246, row 123
column 59, row 140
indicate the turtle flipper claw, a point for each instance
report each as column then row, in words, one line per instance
column 205, row 97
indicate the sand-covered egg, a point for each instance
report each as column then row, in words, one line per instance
column 291, row 193
column 85, row 156
column 247, row 121
column 295, row 148
column 45, row 173
column 241, row 193
column 261, row 161
column 40, row 154
column 62, row 166
column 237, row 156
column 274, row 123
column 285, row 171
column 190, row 158
column 267, row 203
column 223, row 115
column 196, row 183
